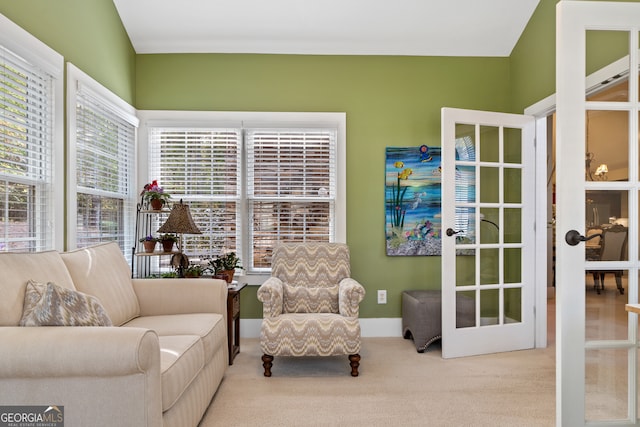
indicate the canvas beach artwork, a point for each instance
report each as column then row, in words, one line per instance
column 413, row 202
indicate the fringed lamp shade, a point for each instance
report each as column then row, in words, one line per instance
column 180, row 221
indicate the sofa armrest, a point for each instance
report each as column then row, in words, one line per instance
column 181, row 296
column 101, row 375
column 350, row 295
column 67, row 351
column 271, row 294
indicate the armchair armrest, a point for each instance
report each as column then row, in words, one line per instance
column 350, row 295
column 28, row 352
column 271, row 294
column 181, row 296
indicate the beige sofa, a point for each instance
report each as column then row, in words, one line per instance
column 159, row 365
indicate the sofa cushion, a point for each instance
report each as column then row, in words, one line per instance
column 210, row 327
column 103, row 272
column 17, row 269
column 181, row 359
column 52, row 305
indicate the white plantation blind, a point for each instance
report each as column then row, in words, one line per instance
column 201, row 166
column 26, row 158
column 105, row 168
column 291, row 188
column 291, row 163
column 465, row 180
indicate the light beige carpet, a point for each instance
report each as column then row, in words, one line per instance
column 397, row 387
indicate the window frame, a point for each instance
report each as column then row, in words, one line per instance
column 32, row 50
column 263, row 120
column 75, row 79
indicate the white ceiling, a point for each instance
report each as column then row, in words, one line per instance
column 327, row 27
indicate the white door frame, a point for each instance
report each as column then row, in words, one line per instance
column 541, row 220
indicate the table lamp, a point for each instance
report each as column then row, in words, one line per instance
column 180, row 222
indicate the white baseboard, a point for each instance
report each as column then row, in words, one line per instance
column 250, row 328
column 379, row 327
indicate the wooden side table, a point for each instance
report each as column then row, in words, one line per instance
column 233, row 320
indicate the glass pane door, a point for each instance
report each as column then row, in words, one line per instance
column 597, row 197
column 487, row 186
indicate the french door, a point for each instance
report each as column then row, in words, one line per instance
column 597, row 185
column 488, row 209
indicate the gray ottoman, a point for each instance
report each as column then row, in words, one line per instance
column 422, row 316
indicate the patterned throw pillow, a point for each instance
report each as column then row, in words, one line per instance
column 308, row 299
column 52, row 305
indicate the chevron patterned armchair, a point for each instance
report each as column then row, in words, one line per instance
column 310, row 304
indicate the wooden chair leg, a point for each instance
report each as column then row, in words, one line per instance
column 267, row 363
column 354, row 360
column 619, row 283
column 596, row 286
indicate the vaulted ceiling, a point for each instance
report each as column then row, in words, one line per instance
column 327, row 27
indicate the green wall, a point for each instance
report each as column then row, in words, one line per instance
column 389, row 101
column 533, row 59
column 88, row 33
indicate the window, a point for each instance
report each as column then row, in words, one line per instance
column 291, row 188
column 102, row 131
column 251, row 179
column 201, row 167
column 31, row 142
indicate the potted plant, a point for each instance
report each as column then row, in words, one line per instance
column 149, row 243
column 225, row 264
column 193, row 270
column 167, row 241
column 155, row 195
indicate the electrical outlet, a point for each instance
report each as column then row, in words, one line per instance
column 382, row 296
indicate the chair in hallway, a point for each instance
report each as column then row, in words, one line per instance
column 310, row 304
column 613, row 248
